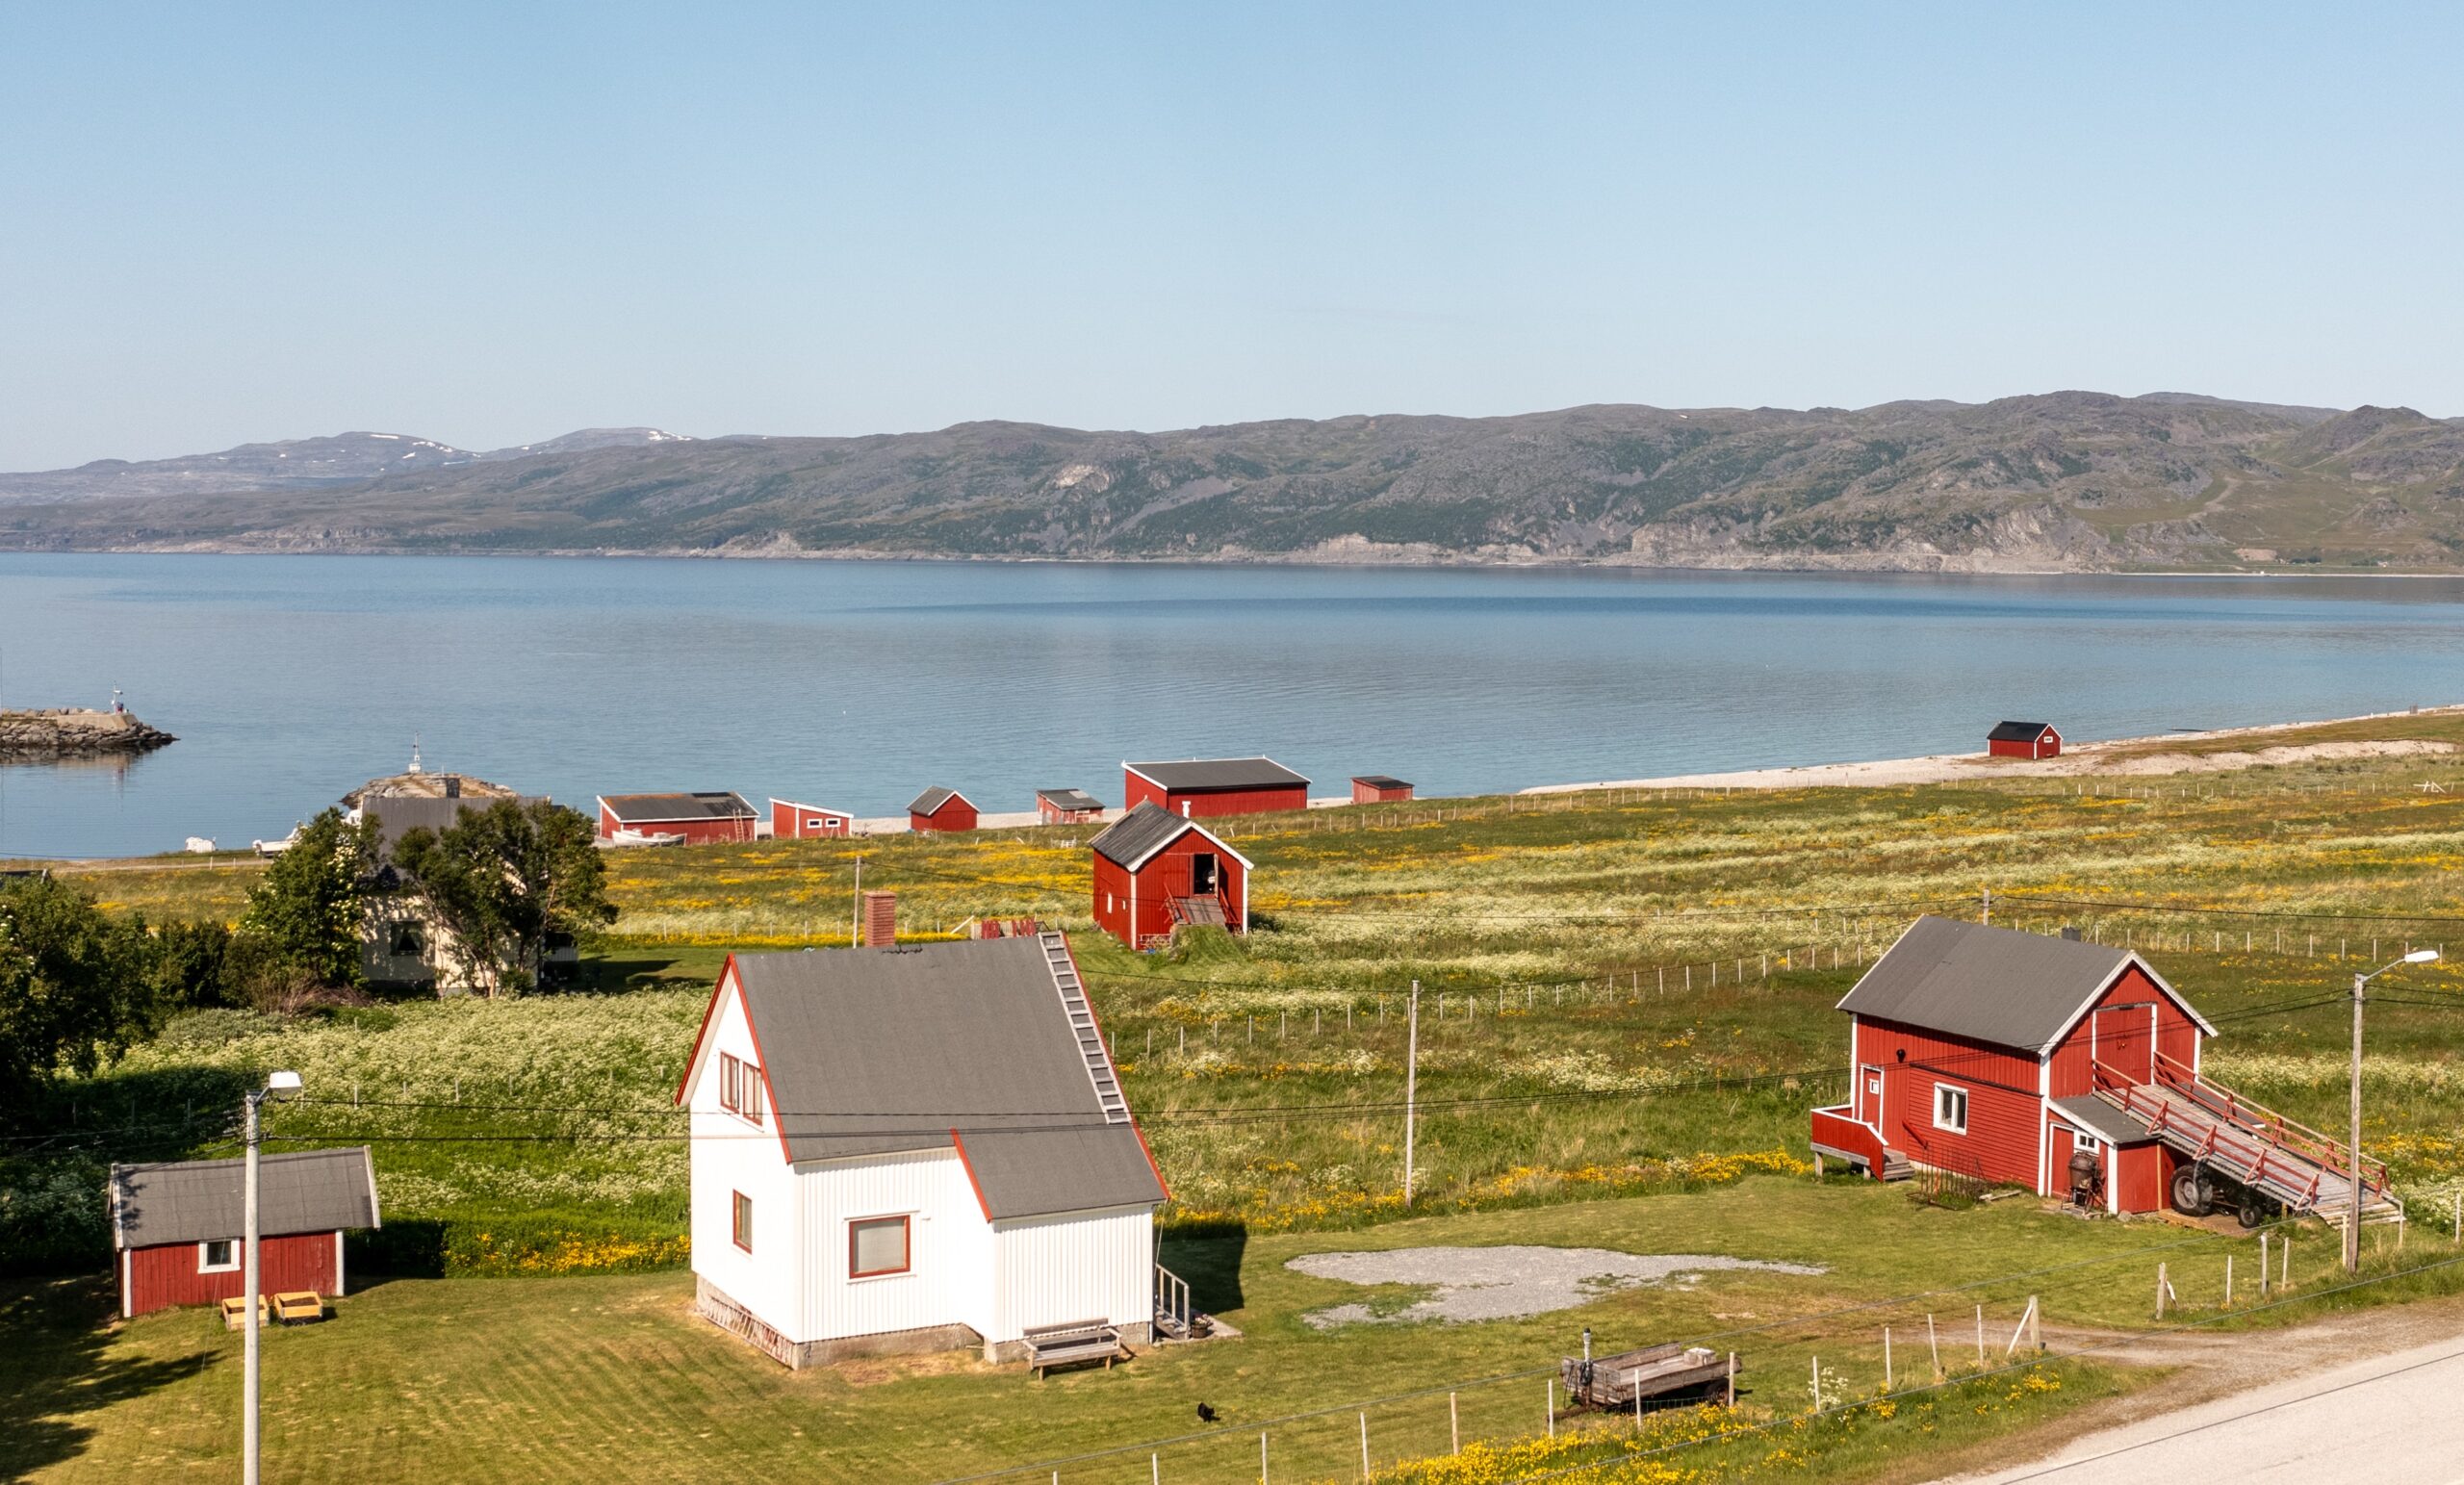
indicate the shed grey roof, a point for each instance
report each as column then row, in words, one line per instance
column 1070, row 798
column 2103, row 1120
column 929, row 799
column 1213, row 775
column 875, row 1051
column 398, row 814
column 196, row 1200
column 2017, row 732
column 1990, row 983
column 661, row 808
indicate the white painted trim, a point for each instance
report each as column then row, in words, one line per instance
column 126, row 1276
column 1960, row 1128
column 238, row 1256
column 1187, row 825
column 338, row 1262
column 2128, row 959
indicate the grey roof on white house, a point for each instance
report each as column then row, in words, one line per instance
column 929, row 799
column 196, row 1200
column 397, row 815
column 2103, row 1120
column 876, row 1051
column 1988, row 984
column 669, row 808
column 1211, row 776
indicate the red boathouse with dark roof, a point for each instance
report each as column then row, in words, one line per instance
column 2024, row 740
column 712, row 814
column 940, row 810
column 1203, row 788
column 1155, row 872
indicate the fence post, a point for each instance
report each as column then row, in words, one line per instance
column 2263, row 1266
column 1453, row 1427
column 2036, row 1324
column 1732, row 1380
column 2161, row 1287
column 1979, row 1335
column 1933, row 1345
column 1552, row 1407
column 1363, row 1446
column 1815, row 1385
column 1265, row 1477
column 2228, row 1281
column 1886, row 1372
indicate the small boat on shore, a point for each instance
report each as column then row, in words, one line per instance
column 633, row 837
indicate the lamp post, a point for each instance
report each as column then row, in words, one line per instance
column 276, row 1084
column 2352, row 1177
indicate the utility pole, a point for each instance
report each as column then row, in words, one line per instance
column 277, row 1083
column 1411, row 1088
column 2353, row 1176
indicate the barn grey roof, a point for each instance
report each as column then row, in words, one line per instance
column 2017, row 732
column 1990, row 983
column 2103, row 1120
column 876, row 1051
column 929, row 799
column 397, row 815
column 1070, row 798
column 196, row 1200
column 661, row 808
column 1211, row 776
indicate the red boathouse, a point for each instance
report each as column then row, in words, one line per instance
column 700, row 818
column 176, row 1226
column 1155, row 872
column 940, row 810
column 2024, row 740
column 1068, row 806
column 1378, row 789
column 791, row 821
column 1202, row 788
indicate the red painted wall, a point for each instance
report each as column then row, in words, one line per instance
column 2146, row 1170
column 158, row 1277
column 1166, row 875
column 1371, row 794
column 2003, row 1123
column 787, row 821
column 1053, row 814
column 2050, row 748
column 2122, row 1034
column 696, row 832
column 1138, row 790
column 955, row 814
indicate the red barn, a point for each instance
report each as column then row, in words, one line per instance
column 1068, row 806
column 694, row 819
column 1378, row 789
column 1156, row 871
column 177, row 1226
column 2024, row 740
column 940, row 810
column 2000, row 1055
column 1200, row 788
column 791, row 821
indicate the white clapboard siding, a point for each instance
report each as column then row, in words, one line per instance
column 1083, row 1266
column 949, row 1247
column 732, row 1155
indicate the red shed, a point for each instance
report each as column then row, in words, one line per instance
column 1378, row 789
column 1999, row 1055
column 177, row 1226
column 1200, row 788
column 693, row 819
column 1068, row 806
column 1156, row 871
column 940, row 810
column 791, row 821
column 2024, row 740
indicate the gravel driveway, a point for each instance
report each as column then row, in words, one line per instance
column 1504, row 1283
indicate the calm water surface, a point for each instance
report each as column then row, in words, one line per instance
column 290, row 679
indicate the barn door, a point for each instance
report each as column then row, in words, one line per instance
column 1203, row 874
column 2124, row 1041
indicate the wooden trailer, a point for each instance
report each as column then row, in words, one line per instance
column 1654, row 1373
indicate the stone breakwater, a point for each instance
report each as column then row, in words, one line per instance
column 71, row 732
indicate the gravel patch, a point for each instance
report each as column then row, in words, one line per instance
column 1506, row 1283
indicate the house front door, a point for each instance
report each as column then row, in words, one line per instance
column 1869, row 1096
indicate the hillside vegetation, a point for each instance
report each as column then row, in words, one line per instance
column 2067, row 480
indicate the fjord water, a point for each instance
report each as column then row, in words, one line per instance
column 858, row 685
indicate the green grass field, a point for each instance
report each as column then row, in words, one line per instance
column 1626, row 1013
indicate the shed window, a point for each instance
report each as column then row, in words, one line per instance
column 219, row 1255
column 743, row 1222
column 876, row 1246
column 2081, row 1139
column 1950, row 1107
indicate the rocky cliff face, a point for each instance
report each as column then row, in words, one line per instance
column 2064, row 481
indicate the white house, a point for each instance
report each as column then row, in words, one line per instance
column 913, row 1149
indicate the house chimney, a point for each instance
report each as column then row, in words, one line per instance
column 880, row 919
column 2070, row 933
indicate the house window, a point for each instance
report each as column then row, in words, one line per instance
column 1950, row 1107
column 728, row 1066
column 748, row 1096
column 406, row 940
column 876, row 1246
column 2081, row 1139
column 743, row 1222
column 219, row 1255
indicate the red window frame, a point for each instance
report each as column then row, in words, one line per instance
column 906, row 1246
column 728, row 1066
column 742, row 1214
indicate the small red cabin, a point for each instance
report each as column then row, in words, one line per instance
column 1155, row 872
column 1378, row 789
column 1202, row 788
column 695, row 819
column 791, row 821
column 940, row 810
column 1068, row 806
column 177, row 1226
column 2024, row 740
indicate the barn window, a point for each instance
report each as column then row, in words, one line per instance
column 219, row 1255
column 1950, row 1107
column 2081, row 1139
column 876, row 1246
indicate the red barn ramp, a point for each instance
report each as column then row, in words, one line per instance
column 2215, row 1129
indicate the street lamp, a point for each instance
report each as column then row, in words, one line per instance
column 277, row 1086
column 2352, row 1177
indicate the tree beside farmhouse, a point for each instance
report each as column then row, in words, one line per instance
column 497, row 884
column 308, row 905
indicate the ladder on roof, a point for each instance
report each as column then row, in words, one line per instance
column 1082, row 1025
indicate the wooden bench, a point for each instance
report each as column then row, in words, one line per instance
column 298, row 1306
column 1067, row 1346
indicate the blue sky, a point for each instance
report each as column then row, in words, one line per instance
column 492, row 224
